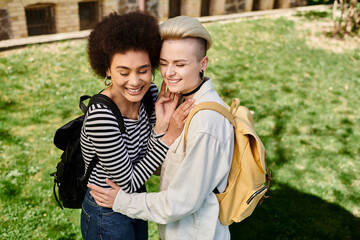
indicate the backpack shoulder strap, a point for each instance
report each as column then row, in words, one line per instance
column 148, row 102
column 82, row 105
column 103, row 99
column 215, row 107
column 209, row 106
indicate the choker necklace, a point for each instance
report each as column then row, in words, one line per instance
column 193, row 91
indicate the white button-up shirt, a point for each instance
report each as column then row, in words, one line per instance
column 186, row 207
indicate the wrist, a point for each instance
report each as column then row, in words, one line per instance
column 156, row 134
column 161, row 127
column 168, row 139
column 159, row 130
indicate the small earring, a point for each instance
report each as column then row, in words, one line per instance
column 107, row 81
column 202, row 74
column 153, row 78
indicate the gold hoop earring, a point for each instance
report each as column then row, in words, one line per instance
column 107, row 81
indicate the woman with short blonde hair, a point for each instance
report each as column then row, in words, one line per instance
column 186, row 206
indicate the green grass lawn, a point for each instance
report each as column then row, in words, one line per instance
column 305, row 101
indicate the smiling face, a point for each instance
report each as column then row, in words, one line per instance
column 180, row 65
column 131, row 76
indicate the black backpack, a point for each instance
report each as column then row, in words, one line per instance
column 70, row 176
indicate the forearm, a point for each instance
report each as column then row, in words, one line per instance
column 154, row 207
column 155, row 155
column 116, row 162
column 193, row 182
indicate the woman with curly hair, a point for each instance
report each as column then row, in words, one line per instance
column 124, row 49
column 186, row 206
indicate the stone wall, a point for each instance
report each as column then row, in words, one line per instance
column 127, row 5
column 235, row 6
column 131, row 5
column 297, row 3
column 153, row 6
column 13, row 23
column 191, row 8
column 66, row 14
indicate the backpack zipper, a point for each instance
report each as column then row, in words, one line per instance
column 255, row 194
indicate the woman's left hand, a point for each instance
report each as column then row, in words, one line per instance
column 103, row 196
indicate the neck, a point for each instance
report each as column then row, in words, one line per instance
column 127, row 109
column 191, row 93
column 130, row 111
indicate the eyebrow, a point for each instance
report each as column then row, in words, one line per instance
column 124, row 67
column 177, row 60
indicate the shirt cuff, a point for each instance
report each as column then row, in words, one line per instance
column 164, row 145
column 121, row 202
column 158, row 139
column 156, row 135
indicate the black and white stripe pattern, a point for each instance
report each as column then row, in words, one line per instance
column 128, row 159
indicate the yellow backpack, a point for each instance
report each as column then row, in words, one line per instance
column 248, row 172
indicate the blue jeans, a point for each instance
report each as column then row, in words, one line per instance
column 103, row 223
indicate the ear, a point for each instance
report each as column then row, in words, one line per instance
column 204, row 62
column 108, row 73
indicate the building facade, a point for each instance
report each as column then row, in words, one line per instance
column 23, row 18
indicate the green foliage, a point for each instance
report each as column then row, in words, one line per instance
column 305, row 104
column 316, row 2
column 314, row 14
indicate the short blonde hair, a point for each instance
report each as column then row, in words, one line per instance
column 184, row 27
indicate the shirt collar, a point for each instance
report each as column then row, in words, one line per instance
column 206, row 87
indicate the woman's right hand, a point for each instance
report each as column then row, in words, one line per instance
column 177, row 121
column 164, row 109
column 103, row 196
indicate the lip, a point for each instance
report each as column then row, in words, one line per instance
column 134, row 91
column 173, row 81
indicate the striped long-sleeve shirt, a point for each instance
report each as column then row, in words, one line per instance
column 128, row 159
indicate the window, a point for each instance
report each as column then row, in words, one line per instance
column 205, row 7
column 174, row 8
column 88, row 14
column 40, row 19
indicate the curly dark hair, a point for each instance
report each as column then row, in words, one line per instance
column 119, row 33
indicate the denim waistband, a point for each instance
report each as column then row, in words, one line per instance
column 90, row 198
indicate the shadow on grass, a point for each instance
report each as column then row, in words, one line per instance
column 290, row 214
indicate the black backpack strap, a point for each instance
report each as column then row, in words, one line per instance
column 56, row 198
column 82, row 105
column 56, row 182
column 85, row 178
column 148, row 102
column 103, row 99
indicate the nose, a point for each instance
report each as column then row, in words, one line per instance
column 134, row 80
column 170, row 71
